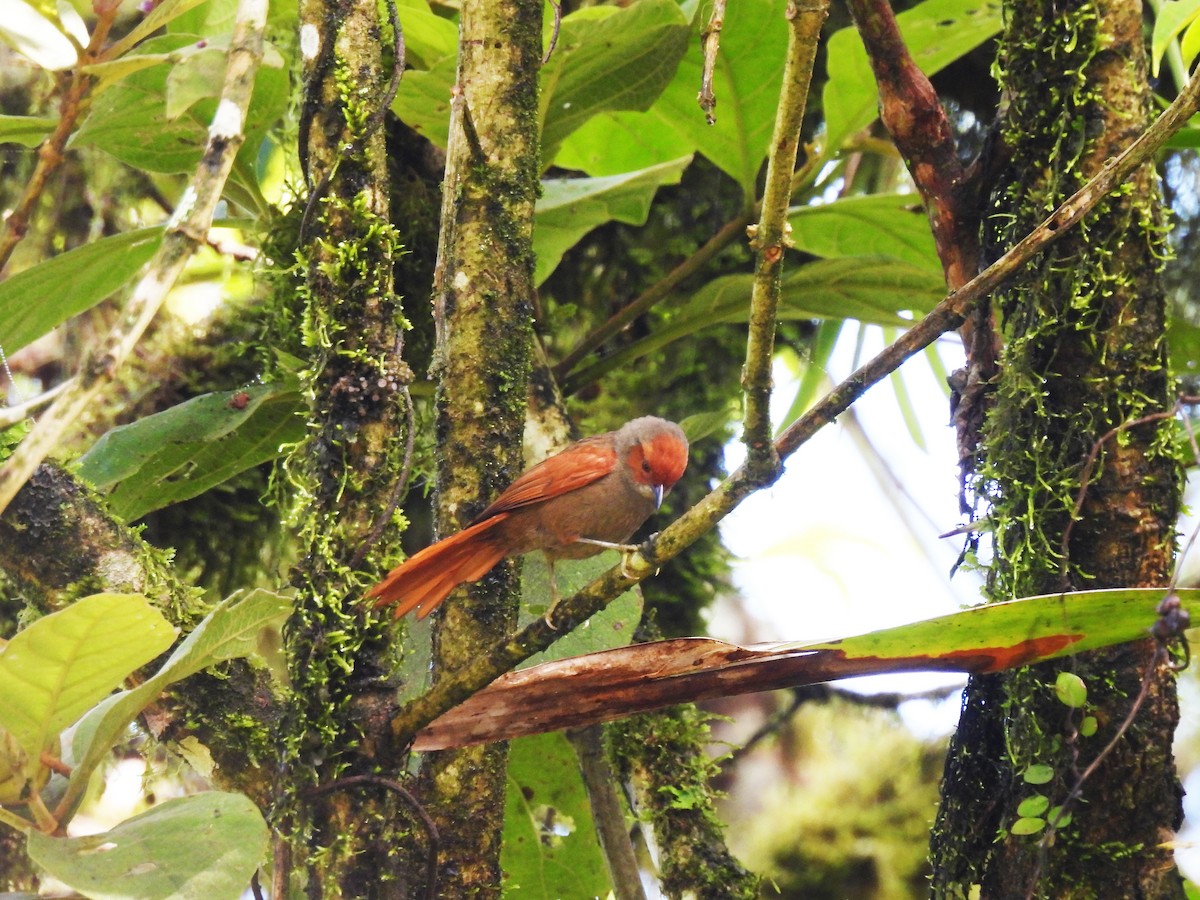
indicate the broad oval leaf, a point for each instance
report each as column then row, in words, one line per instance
column 550, row 847
column 609, row 58
column 571, row 207
column 233, row 629
column 52, row 672
column 39, row 299
column 888, row 225
column 183, row 451
column 190, row 848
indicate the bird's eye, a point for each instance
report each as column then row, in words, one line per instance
column 646, row 465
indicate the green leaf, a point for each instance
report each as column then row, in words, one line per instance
column 550, row 847
column 233, row 629
column 1038, row 774
column 612, row 143
column 36, row 37
column 60, row 666
column 1173, row 16
column 1028, row 826
column 422, row 101
column 189, row 848
column 890, row 225
column 29, row 131
column 164, row 12
column 611, row 627
column 609, row 58
column 746, row 83
column 185, row 450
column 869, row 289
column 1088, row 726
column 428, row 38
column 1058, row 818
column 1070, row 690
column 1033, row 806
column 35, row 301
column 571, row 207
column 130, row 122
column 1189, row 47
column 937, row 32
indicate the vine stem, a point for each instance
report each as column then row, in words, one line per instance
column 187, row 230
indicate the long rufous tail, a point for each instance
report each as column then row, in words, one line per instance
column 426, row 578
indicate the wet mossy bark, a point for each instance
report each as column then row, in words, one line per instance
column 1084, row 353
column 483, row 290
column 345, row 839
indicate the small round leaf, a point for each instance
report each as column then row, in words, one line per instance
column 1038, row 774
column 1070, row 689
column 1033, row 806
column 1029, row 825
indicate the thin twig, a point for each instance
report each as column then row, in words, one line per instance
column 1085, row 480
column 186, row 231
column 710, row 38
column 553, row 34
column 401, row 487
column 771, row 238
column 456, row 686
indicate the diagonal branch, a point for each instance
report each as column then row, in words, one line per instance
column 457, row 686
column 187, row 230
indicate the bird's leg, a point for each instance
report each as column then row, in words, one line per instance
column 553, row 591
column 626, row 551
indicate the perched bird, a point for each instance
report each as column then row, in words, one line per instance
column 591, row 496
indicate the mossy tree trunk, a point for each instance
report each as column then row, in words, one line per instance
column 483, row 293
column 343, row 836
column 1084, row 354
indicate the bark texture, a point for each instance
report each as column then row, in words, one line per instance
column 1084, row 354
column 341, row 827
column 483, row 290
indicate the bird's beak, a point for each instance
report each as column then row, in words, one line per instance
column 658, row 495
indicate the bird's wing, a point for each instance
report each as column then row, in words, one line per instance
column 573, row 468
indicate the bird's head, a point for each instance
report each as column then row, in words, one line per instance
column 656, row 452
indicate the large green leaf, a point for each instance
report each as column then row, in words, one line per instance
column 875, row 290
column 617, row 142
column 37, row 300
column 235, row 628
column 571, row 207
column 746, row 83
column 890, row 225
column 606, row 58
column 185, row 450
column 936, row 32
column 130, row 120
column 29, row 131
column 423, row 100
column 609, row 58
column 60, row 666
column 200, row 847
column 428, row 38
column 550, row 848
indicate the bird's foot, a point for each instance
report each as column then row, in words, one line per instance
column 626, row 551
